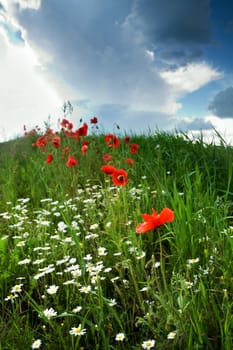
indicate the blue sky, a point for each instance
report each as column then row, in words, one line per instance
column 155, row 64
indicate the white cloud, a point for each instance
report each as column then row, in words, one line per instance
column 23, row 4
column 191, row 77
column 26, row 96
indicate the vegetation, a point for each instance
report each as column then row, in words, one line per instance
column 74, row 274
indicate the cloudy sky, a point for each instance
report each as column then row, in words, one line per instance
column 143, row 65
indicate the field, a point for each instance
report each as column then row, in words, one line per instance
column 111, row 241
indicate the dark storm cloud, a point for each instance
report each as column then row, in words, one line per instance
column 177, row 56
column 180, row 21
column 194, row 125
column 96, row 50
column 222, row 104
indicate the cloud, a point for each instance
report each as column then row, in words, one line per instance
column 191, row 77
column 194, row 124
column 179, row 21
column 26, row 96
column 20, row 4
column 125, row 61
column 96, row 51
column 222, row 103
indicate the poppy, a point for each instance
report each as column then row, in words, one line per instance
column 107, row 158
column 56, row 141
column 84, row 149
column 82, row 131
column 155, row 220
column 41, row 142
column 119, row 177
column 71, row 161
column 134, row 148
column 94, row 120
column 129, row 161
column 108, row 169
column 111, row 140
column 64, row 123
column 49, row 158
column 126, row 139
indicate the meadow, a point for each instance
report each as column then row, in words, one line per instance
column 111, row 241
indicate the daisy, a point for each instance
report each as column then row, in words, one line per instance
column 120, row 337
column 148, row 344
column 49, row 313
column 171, row 335
column 77, row 330
column 36, row 344
column 52, row 289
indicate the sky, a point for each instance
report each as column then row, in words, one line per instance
column 144, row 65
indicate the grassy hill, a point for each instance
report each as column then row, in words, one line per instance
column 74, row 272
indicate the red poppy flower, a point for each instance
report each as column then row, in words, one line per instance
column 82, row 131
column 129, row 161
column 56, row 141
column 155, row 220
column 64, row 123
column 126, row 139
column 108, row 169
column 84, row 149
column 119, row 177
column 71, row 161
column 111, row 140
column 94, row 120
column 49, row 158
column 134, row 148
column 107, row 158
column 41, row 141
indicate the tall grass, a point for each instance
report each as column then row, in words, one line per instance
column 72, row 229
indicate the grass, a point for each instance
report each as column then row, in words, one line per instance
column 72, row 231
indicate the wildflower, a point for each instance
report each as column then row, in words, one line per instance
column 120, row 337
column 49, row 158
column 126, row 139
column 134, row 148
column 171, row 335
column 155, row 220
column 71, row 161
column 17, row 288
column 148, row 344
column 157, row 264
column 94, row 120
column 108, row 169
column 56, row 141
column 36, row 344
column 41, row 142
column 20, row 244
column 106, row 158
column 111, row 140
column 119, row 177
column 11, row 297
column 24, row 262
column 102, row 251
column 49, row 313
column 84, row 149
column 129, row 161
column 112, row 302
column 52, row 289
column 82, row 131
column 192, row 261
column 85, row 289
column 77, row 330
column 77, row 309
column 94, row 226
